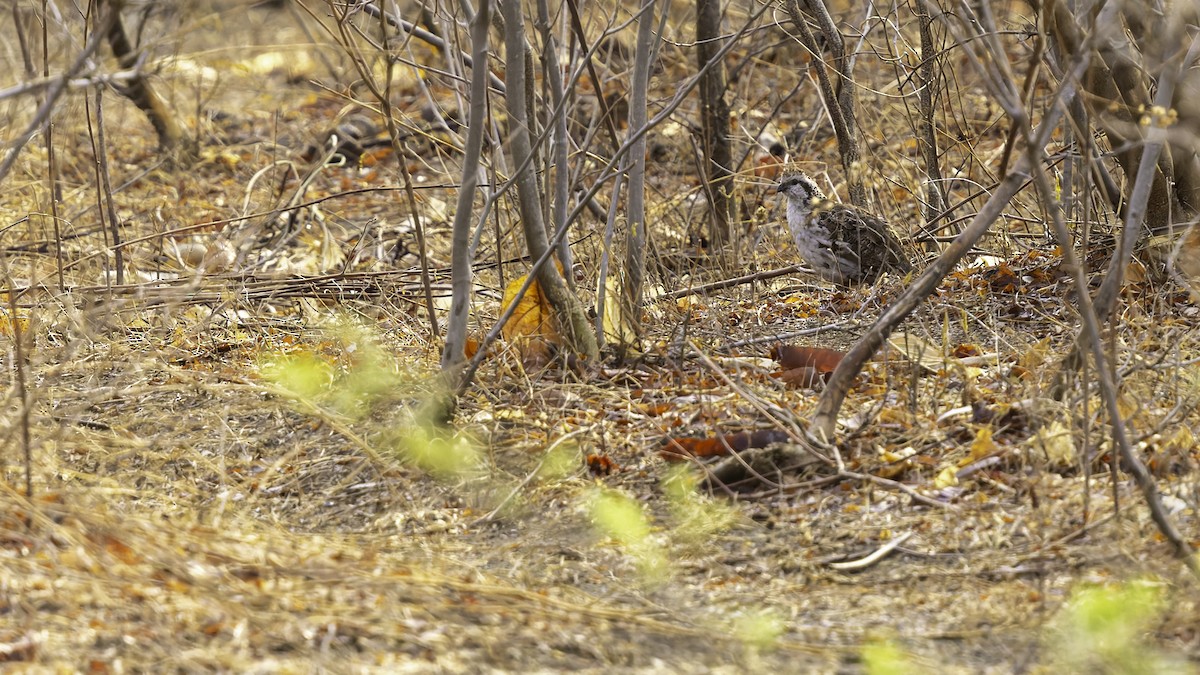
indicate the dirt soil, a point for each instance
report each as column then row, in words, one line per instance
column 230, row 471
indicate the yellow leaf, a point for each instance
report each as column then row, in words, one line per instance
column 982, row 446
column 1035, row 355
column 920, row 351
column 531, row 328
column 947, row 477
column 6, row 323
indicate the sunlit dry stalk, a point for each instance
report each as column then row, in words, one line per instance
column 1137, row 209
column 633, row 285
column 717, row 173
column 927, row 83
column 138, row 89
column 104, row 191
column 560, row 173
column 1108, row 385
column 53, row 187
column 385, row 102
column 989, row 58
column 610, row 123
column 571, row 319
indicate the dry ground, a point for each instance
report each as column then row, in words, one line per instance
column 227, row 475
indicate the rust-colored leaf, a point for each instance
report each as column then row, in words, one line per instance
column 1002, row 279
column 119, row 549
column 805, row 377
column 769, row 167
column 1019, row 373
column 471, row 347
column 966, row 350
column 678, row 449
column 21, row 649
column 819, row 359
column 601, row 465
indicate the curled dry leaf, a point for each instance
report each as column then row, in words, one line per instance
column 471, row 348
column 531, row 328
column 922, row 352
column 601, row 465
column 967, row 350
column 618, row 327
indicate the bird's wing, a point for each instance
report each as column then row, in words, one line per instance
column 870, row 237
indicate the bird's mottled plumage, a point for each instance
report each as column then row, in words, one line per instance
column 842, row 244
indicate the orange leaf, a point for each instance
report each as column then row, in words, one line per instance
column 677, row 449
column 471, row 347
column 531, row 328
column 966, row 349
column 119, row 549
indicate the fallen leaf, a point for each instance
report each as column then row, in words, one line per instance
column 967, row 349
column 817, row 358
column 678, row 449
column 531, row 328
column 1055, row 440
column 471, row 347
column 618, row 328
column 805, row 377
column 981, row 447
column 601, row 465
column 922, row 352
column 947, row 477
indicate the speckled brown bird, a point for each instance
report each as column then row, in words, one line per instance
column 841, row 243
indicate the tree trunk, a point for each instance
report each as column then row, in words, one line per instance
column 571, row 319
column 714, row 116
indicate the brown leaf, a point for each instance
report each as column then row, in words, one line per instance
column 471, row 348
column 820, row 360
column 601, row 465
column 805, row 377
column 966, row 350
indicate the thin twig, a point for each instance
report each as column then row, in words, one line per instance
column 876, row 556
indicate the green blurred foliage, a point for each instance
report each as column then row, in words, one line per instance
column 884, row 657
column 697, row 516
column 1104, row 629
column 620, row 517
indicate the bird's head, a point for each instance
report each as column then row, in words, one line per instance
column 800, row 189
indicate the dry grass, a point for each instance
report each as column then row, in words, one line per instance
column 227, row 474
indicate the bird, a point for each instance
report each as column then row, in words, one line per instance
column 842, row 243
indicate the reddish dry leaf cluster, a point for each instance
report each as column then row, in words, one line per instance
column 602, row 465
column 805, row 367
column 679, row 449
column 802, row 367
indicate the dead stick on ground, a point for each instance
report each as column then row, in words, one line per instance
column 864, row 563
